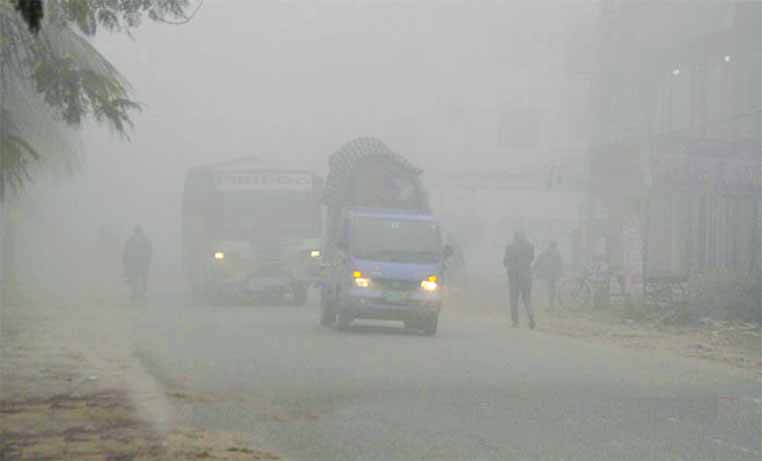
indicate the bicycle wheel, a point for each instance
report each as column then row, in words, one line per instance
column 575, row 294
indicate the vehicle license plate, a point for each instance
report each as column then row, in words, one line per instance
column 395, row 296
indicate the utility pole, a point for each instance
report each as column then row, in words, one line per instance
column 3, row 139
column 6, row 244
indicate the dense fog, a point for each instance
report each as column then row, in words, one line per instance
column 573, row 184
column 454, row 87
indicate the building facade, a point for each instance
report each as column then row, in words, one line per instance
column 674, row 162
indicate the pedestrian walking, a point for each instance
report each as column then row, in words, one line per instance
column 517, row 260
column 549, row 268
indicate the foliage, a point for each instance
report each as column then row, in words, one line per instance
column 32, row 12
column 719, row 295
column 17, row 153
column 54, row 60
column 110, row 14
column 727, row 295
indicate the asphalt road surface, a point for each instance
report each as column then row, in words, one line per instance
column 479, row 390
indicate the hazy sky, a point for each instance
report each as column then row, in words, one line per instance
column 300, row 78
column 295, row 80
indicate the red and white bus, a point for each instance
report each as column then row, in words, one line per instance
column 250, row 230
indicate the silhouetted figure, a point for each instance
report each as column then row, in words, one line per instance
column 137, row 261
column 518, row 264
column 549, row 267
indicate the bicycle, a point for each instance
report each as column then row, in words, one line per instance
column 667, row 296
column 579, row 292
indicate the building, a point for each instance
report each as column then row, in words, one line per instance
column 674, row 160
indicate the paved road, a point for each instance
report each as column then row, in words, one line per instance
column 478, row 390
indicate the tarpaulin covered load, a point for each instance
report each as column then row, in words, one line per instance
column 365, row 172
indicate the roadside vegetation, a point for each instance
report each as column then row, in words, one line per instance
column 52, row 79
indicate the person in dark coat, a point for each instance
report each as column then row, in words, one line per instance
column 518, row 264
column 137, row 261
column 549, row 267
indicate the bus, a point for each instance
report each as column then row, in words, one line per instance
column 251, row 231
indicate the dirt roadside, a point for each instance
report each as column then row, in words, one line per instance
column 72, row 389
column 735, row 345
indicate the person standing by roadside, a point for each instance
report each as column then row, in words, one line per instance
column 137, row 261
column 549, row 267
column 518, row 264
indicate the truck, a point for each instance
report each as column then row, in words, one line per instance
column 251, row 231
column 383, row 253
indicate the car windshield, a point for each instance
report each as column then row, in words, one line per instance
column 392, row 239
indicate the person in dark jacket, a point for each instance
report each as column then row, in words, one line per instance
column 137, row 261
column 549, row 267
column 518, row 264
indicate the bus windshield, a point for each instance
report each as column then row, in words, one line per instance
column 254, row 215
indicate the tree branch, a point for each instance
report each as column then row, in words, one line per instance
column 185, row 20
column 32, row 12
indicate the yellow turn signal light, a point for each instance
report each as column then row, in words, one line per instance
column 219, row 255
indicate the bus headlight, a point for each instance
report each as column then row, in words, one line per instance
column 315, row 253
column 430, row 284
column 219, row 255
column 360, row 280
